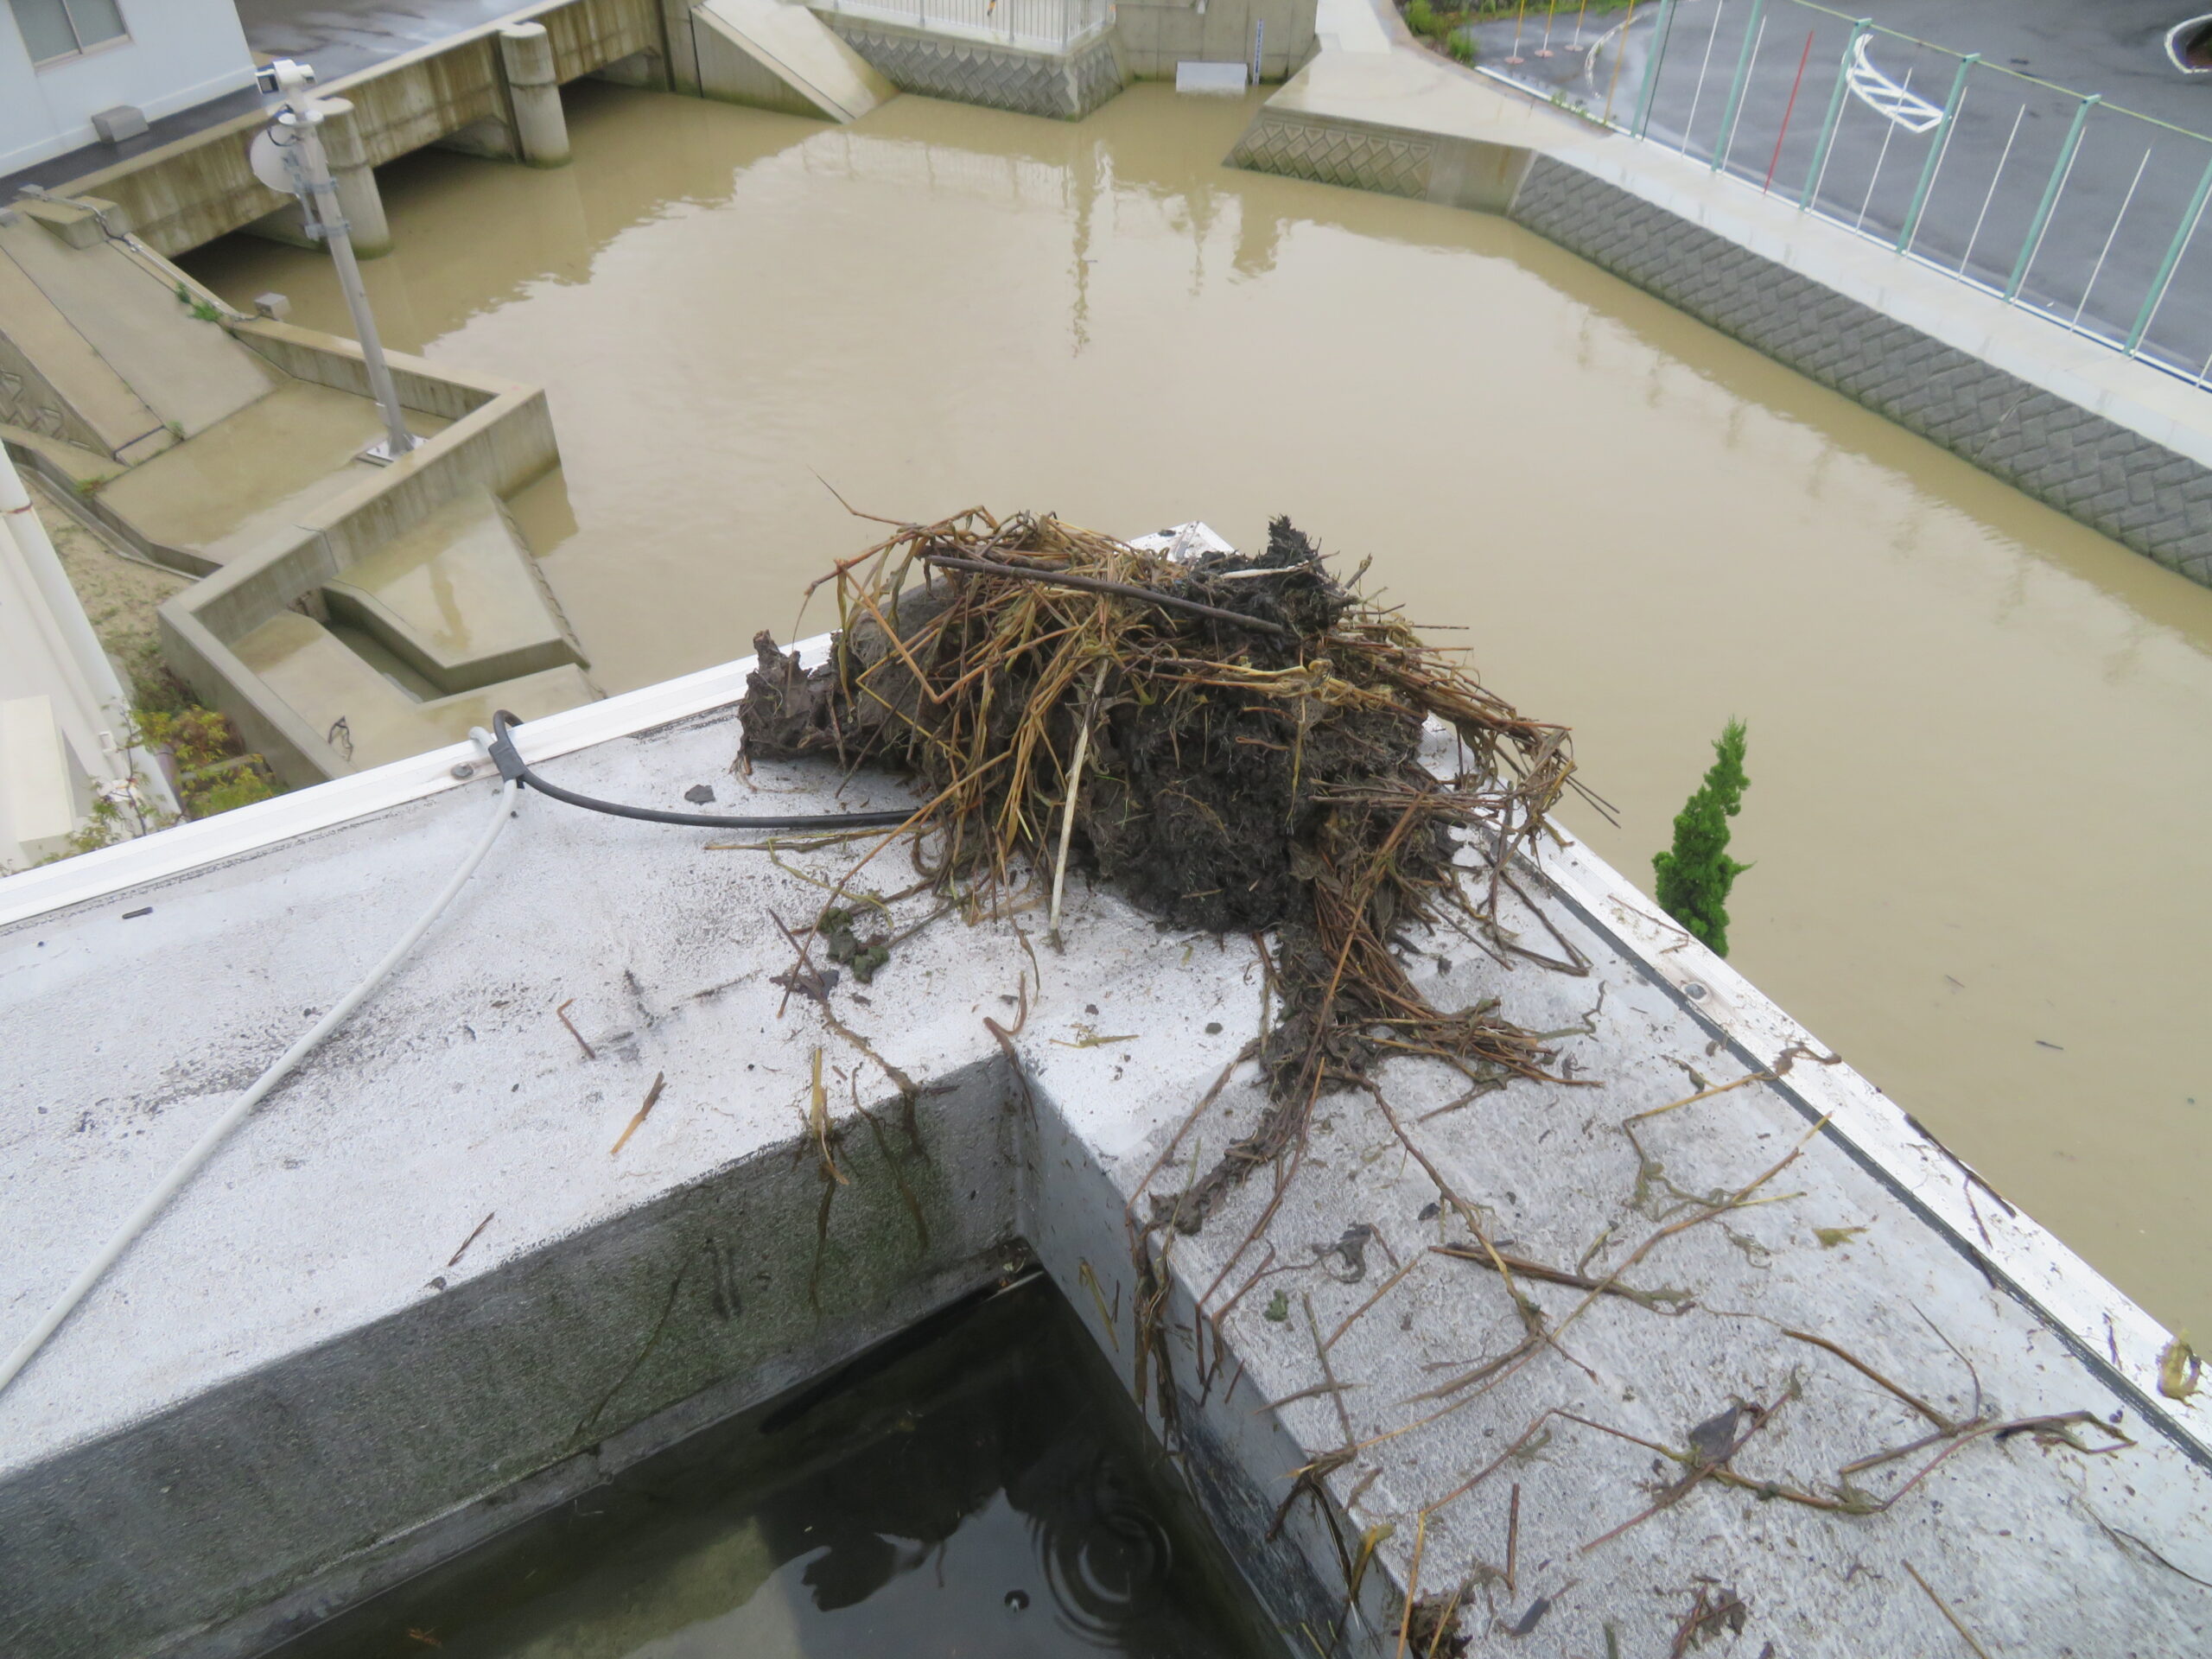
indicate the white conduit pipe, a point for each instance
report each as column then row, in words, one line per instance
column 204, row 1148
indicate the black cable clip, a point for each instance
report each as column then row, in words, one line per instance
column 502, row 749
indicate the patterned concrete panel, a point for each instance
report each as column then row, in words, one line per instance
column 996, row 77
column 2116, row 481
column 1325, row 152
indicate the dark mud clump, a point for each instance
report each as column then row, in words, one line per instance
column 1241, row 736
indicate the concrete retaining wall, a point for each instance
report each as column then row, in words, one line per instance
column 198, row 188
column 501, row 438
column 1057, row 86
column 1156, row 38
column 2117, row 445
column 2137, row 492
column 1392, row 161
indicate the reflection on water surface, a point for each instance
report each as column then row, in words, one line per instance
column 978, row 1487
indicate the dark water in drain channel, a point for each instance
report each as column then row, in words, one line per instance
column 979, row 1487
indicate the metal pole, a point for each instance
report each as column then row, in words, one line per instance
column 321, row 193
column 1835, row 112
column 1936, row 149
column 2059, row 169
column 1705, row 66
column 1751, row 27
column 2157, row 293
column 1620, row 57
column 1782, row 131
column 2111, row 235
column 1754, row 34
column 1660, row 32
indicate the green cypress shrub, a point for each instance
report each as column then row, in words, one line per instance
column 1696, row 874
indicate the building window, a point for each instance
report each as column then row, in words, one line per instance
column 61, row 29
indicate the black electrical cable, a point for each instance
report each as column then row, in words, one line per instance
column 512, row 767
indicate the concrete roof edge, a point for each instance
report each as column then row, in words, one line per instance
column 50, row 887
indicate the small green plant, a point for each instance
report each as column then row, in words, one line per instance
column 1278, row 1308
column 154, row 690
column 215, row 772
column 245, row 783
column 200, row 308
column 104, row 825
column 1424, row 19
column 1696, row 874
column 1463, row 49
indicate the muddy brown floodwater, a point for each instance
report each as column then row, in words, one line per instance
column 1981, row 736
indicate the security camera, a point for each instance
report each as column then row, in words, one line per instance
column 283, row 75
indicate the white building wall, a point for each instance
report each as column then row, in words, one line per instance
column 179, row 52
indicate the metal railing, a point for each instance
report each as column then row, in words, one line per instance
column 1034, row 25
column 2085, row 213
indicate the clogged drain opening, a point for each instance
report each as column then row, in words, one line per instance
column 979, row 1486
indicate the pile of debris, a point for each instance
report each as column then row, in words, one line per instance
column 1233, row 742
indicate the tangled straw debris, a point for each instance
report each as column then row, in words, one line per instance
column 1232, row 742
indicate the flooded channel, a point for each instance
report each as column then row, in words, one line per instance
column 1980, row 734
column 979, row 1487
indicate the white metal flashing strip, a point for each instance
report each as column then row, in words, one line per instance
column 171, row 852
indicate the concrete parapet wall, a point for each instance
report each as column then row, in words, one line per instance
column 74, row 476
column 1156, row 38
column 1392, row 161
column 775, row 56
column 501, row 439
column 430, row 1278
column 1057, row 86
column 561, row 1356
column 334, row 362
column 2111, row 478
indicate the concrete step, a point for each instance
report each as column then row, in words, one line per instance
column 781, row 57
column 324, row 682
column 459, row 600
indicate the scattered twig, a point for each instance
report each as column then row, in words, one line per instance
column 1513, row 1538
column 623, row 1140
column 817, row 1121
column 561, row 1014
column 1942, row 1422
column 1337, row 1335
column 1067, row 810
column 1094, row 585
column 453, row 1261
column 1943, row 1607
column 1667, row 1301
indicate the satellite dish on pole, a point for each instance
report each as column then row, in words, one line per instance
column 274, row 163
